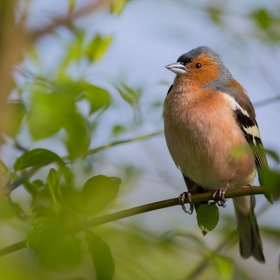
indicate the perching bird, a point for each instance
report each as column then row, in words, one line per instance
column 213, row 137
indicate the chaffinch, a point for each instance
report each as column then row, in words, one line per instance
column 208, row 116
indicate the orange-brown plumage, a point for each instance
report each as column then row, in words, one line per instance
column 207, row 117
column 243, row 100
column 208, row 73
column 186, row 114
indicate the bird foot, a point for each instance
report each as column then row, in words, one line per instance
column 219, row 195
column 182, row 198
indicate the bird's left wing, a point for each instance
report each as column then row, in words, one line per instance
column 251, row 132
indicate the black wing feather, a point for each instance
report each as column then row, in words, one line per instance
column 255, row 142
column 170, row 89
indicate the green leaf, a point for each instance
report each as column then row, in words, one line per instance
column 49, row 113
column 133, row 93
column 262, row 18
column 11, row 117
column 207, row 217
column 223, row 265
column 118, row 129
column 36, row 157
column 273, row 155
column 54, row 188
column 271, row 179
column 101, row 256
column 117, row 6
column 97, row 97
column 74, row 52
column 166, row 83
column 7, row 209
column 97, row 47
column 128, row 94
column 62, row 253
column 70, row 88
column 71, row 5
column 18, row 210
column 67, row 174
column 78, row 139
column 98, row 192
column 216, row 14
column 125, row 96
column 34, row 187
column 42, row 233
column 42, row 211
column 156, row 104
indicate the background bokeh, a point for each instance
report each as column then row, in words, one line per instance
column 89, row 73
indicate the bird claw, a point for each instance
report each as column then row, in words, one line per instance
column 219, row 195
column 222, row 204
column 182, row 198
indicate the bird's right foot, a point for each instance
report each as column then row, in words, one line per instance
column 219, row 195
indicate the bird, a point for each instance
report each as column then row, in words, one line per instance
column 208, row 117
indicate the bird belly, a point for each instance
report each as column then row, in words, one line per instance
column 210, row 152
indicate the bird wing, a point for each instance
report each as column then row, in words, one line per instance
column 251, row 132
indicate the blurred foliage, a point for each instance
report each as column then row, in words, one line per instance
column 63, row 108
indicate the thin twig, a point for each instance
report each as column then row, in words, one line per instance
column 267, row 101
column 24, row 178
column 15, row 247
column 33, row 170
column 68, row 20
column 115, row 143
column 19, row 181
column 164, row 204
column 144, row 209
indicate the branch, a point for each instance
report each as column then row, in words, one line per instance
column 10, row 187
column 13, row 248
column 115, row 143
column 33, row 170
column 163, row 204
column 143, row 209
column 24, row 178
column 68, row 19
column 267, row 101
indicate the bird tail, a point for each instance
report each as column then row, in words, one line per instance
column 250, row 240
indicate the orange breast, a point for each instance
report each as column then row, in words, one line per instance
column 204, row 139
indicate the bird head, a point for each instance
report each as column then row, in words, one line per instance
column 203, row 66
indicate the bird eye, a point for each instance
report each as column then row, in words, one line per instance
column 198, row 65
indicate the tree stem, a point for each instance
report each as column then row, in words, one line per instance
column 142, row 209
column 163, row 204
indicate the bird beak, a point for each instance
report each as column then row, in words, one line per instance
column 177, row 68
